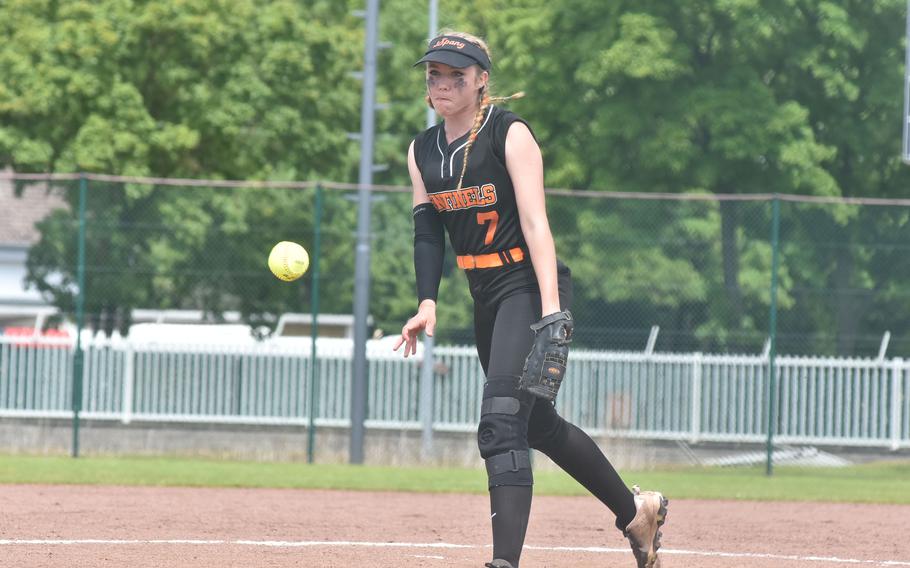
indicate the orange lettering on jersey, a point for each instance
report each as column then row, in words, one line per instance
column 465, row 198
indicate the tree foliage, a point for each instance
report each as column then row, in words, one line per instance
column 738, row 97
column 217, row 89
column 720, row 96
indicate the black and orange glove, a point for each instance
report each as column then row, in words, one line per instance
column 545, row 366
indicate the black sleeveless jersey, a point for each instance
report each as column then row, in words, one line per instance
column 481, row 217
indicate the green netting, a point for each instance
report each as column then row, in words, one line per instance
column 694, row 272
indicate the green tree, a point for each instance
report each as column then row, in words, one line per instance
column 718, row 96
column 847, row 70
column 709, row 96
column 218, row 89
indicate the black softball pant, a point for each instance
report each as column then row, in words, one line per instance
column 504, row 339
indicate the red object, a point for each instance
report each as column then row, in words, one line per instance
column 29, row 333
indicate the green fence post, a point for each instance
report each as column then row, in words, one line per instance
column 772, row 331
column 78, row 359
column 314, row 328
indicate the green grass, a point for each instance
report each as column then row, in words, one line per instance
column 872, row 483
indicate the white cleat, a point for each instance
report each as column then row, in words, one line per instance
column 644, row 530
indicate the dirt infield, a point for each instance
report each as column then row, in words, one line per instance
column 66, row 526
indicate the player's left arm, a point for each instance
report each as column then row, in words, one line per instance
column 525, row 165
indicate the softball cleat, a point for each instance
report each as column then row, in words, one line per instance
column 644, row 530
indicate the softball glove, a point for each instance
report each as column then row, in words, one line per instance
column 545, row 366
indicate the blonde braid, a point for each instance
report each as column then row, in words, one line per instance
column 517, row 95
column 478, row 121
column 485, row 102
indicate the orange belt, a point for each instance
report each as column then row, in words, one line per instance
column 492, row 260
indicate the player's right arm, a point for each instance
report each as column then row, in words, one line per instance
column 429, row 249
column 420, row 191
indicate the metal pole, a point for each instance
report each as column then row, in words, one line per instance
column 362, row 255
column 426, row 399
column 426, row 368
column 906, row 131
column 772, row 332
column 314, row 330
column 434, row 19
column 78, row 358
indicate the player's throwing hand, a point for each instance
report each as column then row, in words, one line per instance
column 423, row 320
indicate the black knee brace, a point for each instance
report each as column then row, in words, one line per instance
column 502, row 435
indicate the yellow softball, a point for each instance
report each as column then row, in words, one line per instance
column 288, row 261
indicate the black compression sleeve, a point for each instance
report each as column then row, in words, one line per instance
column 429, row 249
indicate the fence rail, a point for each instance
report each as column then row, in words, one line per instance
column 693, row 397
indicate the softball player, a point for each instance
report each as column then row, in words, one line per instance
column 479, row 175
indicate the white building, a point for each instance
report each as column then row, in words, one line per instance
column 18, row 215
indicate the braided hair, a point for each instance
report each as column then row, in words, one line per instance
column 485, row 101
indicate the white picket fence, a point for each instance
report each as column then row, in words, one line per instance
column 692, row 397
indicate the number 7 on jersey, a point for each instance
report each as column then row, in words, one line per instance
column 491, row 217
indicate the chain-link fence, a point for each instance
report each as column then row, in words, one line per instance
column 668, row 289
column 686, row 272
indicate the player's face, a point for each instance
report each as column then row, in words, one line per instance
column 454, row 89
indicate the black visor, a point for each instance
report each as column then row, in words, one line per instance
column 455, row 52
